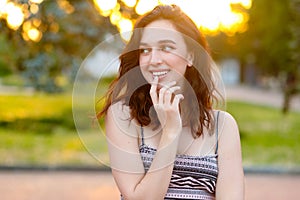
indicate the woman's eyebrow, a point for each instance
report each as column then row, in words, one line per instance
column 166, row 41
column 159, row 42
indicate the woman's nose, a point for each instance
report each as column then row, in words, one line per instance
column 156, row 57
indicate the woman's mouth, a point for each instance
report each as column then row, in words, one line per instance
column 159, row 74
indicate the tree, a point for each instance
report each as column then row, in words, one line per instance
column 292, row 86
column 273, row 42
column 70, row 30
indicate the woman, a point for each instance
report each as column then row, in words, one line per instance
column 165, row 139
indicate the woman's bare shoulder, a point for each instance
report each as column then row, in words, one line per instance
column 120, row 110
column 225, row 117
column 119, row 115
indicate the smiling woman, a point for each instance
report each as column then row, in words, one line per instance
column 166, row 138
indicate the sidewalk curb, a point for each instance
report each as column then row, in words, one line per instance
column 247, row 170
column 271, row 170
column 55, row 168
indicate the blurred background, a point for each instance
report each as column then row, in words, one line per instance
column 43, row 43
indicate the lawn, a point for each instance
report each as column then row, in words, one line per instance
column 267, row 136
column 39, row 130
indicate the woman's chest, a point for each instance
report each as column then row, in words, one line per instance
column 188, row 145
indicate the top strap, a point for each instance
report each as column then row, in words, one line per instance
column 142, row 135
column 217, row 132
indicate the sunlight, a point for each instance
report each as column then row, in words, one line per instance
column 34, row 8
column 15, row 16
column 144, row 6
column 125, row 26
column 34, row 34
column 36, row 1
column 30, row 30
column 115, row 17
column 213, row 19
column 212, row 16
column 129, row 3
column 105, row 5
column 66, row 6
column 245, row 3
column 2, row 6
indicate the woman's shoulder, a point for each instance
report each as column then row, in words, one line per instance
column 226, row 124
column 227, row 128
column 224, row 116
column 119, row 112
column 119, row 109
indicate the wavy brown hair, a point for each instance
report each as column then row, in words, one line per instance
column 132, row 89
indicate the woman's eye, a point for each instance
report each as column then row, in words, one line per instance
column 145, row 50
column 167, row 48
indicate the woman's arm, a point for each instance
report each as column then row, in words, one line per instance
column 127, row 166
column 230, row 183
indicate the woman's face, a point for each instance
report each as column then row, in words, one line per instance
column 163, row 53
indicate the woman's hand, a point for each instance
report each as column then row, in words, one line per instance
column 166, row 105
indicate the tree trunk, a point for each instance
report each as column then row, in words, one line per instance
column 290, row 89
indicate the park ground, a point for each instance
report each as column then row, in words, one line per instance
column 18, row 184
column 99, row 185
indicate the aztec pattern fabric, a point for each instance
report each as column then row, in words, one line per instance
column 193, row 177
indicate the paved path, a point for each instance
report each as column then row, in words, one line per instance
column 260, row 96
column 72, row 185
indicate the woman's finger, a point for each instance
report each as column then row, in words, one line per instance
column 153, row 90
column 168, row 84
column 177, row 99
column 169, row 93
column 161, row 95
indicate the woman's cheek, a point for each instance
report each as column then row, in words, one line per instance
column 147, row 75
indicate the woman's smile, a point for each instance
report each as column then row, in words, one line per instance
column 160, row 74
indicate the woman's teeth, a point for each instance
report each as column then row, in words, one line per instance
column 162, row 73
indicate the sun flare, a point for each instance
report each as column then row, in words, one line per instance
column 211, row 17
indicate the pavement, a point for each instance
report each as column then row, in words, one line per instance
column 98, row 185
column 261, row 96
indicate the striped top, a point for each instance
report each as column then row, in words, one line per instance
column 193, row 177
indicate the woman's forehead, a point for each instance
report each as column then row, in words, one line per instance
column 161, row 30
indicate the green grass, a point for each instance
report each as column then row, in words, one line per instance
column 268, row 137
column 62, row 148
column 38, row 113
column 39, row 130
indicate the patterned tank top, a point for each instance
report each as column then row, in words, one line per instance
column 193, row 177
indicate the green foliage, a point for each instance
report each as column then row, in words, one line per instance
column 13, row 80
column 69, row 33
column 5, row 60
column 270, row 34
column 4, row 70
column 270, row 47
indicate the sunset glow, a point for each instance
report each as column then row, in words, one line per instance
column 16, row 15
column 211, row 16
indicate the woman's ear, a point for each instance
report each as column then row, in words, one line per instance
column 190, row 59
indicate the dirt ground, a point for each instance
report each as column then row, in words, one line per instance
column 84, row 185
